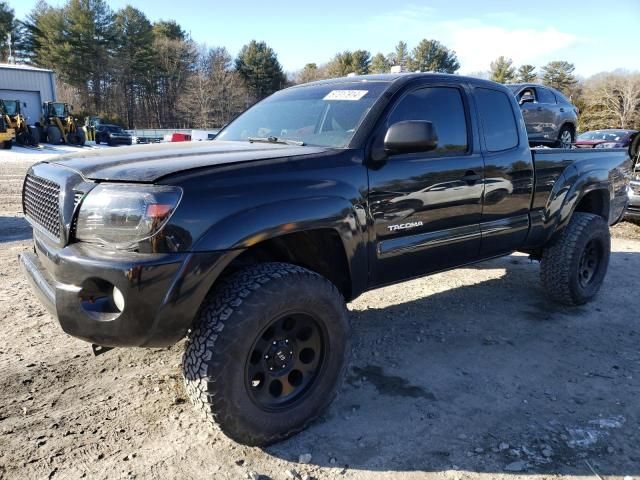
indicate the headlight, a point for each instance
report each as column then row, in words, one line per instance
column 607, row 145
column 123, row 215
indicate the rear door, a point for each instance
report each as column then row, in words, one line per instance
column 508, row 182
column 549, row 114
column 426, row 207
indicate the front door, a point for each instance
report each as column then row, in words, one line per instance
column 426, row 207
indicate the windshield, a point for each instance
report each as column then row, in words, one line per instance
column 114, row 129
column 322, row 115
column 10, row 107
column 608, row 136
column 59, row 110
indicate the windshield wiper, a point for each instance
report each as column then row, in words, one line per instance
column 282, row 141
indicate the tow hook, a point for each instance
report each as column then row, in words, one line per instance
column 99, row 349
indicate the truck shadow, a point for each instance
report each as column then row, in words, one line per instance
column 13, row 229
column 488, row 377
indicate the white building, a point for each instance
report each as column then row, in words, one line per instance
column 31, row 85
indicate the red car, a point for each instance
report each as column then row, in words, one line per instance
column 609, row 138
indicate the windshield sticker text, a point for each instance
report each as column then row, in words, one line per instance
column 350, row 95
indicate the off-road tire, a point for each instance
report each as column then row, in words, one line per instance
column 231, row 318
column 54, row 135
column 560, row 267
column 7, row 144
column 97, row 139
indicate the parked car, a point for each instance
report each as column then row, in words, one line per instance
column 251, row 244
column 550, row 117
column 112, row 135
column 633, row 209
column 608, row 138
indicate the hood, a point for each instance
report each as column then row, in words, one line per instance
column 148, row 163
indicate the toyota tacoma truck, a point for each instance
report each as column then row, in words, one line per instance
column 250, row 245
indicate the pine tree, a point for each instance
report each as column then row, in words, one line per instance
column 559, row 75
column 258, row 65
column 526, row 74
column 379, row 64
column 502, row 70
column 7, row 25
column 310, row 73
column 432, row 56
column 134, row 57
column 400, row 56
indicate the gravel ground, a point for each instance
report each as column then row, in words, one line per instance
column 464, row 374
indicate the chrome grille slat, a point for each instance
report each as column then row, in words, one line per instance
column 41, row 203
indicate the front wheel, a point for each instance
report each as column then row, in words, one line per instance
column 7, row 144
column 268, row 352
column 574, row 266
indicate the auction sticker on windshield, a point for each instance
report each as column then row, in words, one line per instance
column 352, row 95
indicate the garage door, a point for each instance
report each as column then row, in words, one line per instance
column 32, row 99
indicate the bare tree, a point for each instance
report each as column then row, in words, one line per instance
column 215, row 93
column 613, row 99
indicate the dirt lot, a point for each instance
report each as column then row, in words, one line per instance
column 466, row 374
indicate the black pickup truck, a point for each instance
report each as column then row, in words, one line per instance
column 251, row 244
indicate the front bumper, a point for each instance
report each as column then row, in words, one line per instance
column 633, row 209
column 120, row 141
column 162, row 292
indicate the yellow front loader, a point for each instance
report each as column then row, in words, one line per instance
column 59, row 126
column 7, row 134
column 24, row 134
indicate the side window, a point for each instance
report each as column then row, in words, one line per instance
column 527, row 92
column 444, row 108
column 545, row 96
column 498, row 122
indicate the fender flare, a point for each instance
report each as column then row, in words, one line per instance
column 244, row 229
column 567, row 194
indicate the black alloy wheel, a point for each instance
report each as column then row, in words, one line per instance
column 284, row 361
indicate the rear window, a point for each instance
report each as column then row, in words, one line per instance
column 498, row 122
column 545, row 96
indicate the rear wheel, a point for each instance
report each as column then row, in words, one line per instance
column 268, row 352
column 7, row 144
column 81, row 137
column 34, row 136
column 574, row 266
column 565, row 137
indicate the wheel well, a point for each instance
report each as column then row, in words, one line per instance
column 595, row 202
column 320, row 251
column 569, row 125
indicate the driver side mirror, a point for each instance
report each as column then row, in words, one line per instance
column 410, row 136
column 527, row 99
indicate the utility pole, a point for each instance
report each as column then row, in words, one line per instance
column 10, row 59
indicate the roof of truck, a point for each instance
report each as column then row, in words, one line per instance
column 397, row 77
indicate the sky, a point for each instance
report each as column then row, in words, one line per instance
column 594, row 35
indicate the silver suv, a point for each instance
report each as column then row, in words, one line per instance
column 550, row 117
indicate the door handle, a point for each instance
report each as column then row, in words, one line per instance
column 471, row 177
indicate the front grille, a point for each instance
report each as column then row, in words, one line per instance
column 41, row 203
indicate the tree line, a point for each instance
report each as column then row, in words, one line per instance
column 142, row 74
